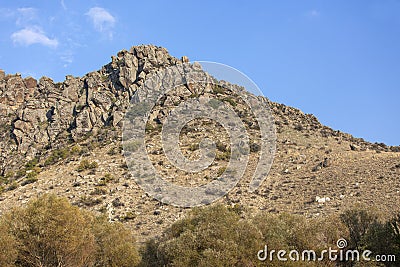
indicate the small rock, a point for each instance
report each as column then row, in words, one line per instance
column 274, row 197
column 326, row 163
column 273, row 210
column 185, row 59
column 354, row 147
column 157, row 212
column 117, row 202
column 322, row 199
column 317, row 168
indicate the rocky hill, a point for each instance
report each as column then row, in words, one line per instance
column 65, row 138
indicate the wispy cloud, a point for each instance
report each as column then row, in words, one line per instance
column 6, row 13
column 33, row 35
column 26, row 15
column 102, row 20
column 67, row 57
column 313, row 13
column 63, row 5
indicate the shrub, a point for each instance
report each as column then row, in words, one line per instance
column 89, row 201
column 87, row 165
column 32, row 164
column 57, row 155
column 211, row 236
column 221, row 171
column 116, row 245
column 8, row 245
column 220, row 236
column 29, row 180
column 288, row 232
column 383, row 238
column 12, row 186
column 358, row 221
column 193, row 147
column 107, row 178
column 98, row 191
column 221, row 147
column 31, row 176
column 230, row 101
column 20, row 173
column 218, row 89
column 76, row 150
column 51, row 232
column 223, row 156
column 114, row 151
column 3, row 180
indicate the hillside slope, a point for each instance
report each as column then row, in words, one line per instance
column 65, row 138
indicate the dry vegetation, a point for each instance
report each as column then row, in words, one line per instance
column 52, row 232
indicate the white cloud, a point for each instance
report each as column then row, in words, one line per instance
column 33, row 35
column 102, row 20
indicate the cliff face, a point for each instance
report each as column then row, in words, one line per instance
column 41, row 115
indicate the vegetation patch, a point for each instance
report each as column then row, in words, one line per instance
column 87, row 165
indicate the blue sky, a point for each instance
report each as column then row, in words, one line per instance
column 339, row 60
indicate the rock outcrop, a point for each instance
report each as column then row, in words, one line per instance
column 40, row 115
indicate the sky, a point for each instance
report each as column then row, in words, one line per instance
column 339, row 60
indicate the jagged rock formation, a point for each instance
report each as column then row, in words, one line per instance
column 40, row 115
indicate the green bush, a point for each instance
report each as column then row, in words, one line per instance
column 211, row 236
column 4, row 180
column 12, row 186
column 383, row 238
column 218, row 89
column 8, row 245
column 230, row 101
column 116, row 245
column 32, row 164
column 87, row 165
column 220, row 236
column 52, row 232
column 358, row 222
column 89, row 201
column 57, row 155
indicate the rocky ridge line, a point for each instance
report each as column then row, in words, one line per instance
column 38, row 116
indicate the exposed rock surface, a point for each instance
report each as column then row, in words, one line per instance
column 40, row 115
